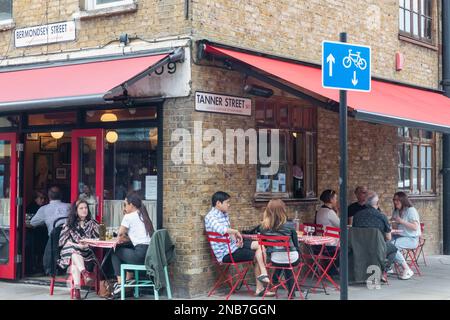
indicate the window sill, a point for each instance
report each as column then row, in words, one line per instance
column 262, row 202
column 106, row 12
column 7, row 25
column 425, row 197
column 417, row 42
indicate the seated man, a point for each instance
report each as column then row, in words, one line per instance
column 371, row 217
column 218, row 220
column 49, row 213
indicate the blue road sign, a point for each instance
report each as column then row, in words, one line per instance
column 345, row 66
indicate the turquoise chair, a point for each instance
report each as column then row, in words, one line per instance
column 147, row 282
column 140, row 283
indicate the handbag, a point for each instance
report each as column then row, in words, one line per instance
column 105, row 288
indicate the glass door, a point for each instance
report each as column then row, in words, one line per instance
column 87, row 169
column 8, row 205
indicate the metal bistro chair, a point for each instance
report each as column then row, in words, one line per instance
column 148, row 281
column 55, row 270
column 229, row 272
column 295, row 268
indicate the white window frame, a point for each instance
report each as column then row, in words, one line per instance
column 9, row 20
column 92, row 4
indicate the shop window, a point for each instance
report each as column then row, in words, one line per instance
column 9, row 121
column 5, row 11
column 296, row 175
column 130, row 165
column 55, row 118
column 146, row 113
column 101, row 4
column 416, row 164
column 415, row 19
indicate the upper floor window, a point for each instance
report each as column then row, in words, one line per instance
column 100, row 4
column 416, row 161
column 5, row 10
column 297, row 166
column 415, row 19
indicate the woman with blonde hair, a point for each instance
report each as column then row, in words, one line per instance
column 275, row 224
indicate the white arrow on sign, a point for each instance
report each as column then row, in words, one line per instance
column 354, row 80
column 330, row 61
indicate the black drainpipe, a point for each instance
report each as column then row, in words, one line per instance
column 446, row 138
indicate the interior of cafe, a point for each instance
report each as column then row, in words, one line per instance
column 100, row 158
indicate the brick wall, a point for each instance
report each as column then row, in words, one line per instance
column 152, row 19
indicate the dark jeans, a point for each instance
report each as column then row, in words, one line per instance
column 242, row 254
column 391, row 250
column 129, row 255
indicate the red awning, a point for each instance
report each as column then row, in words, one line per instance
column 386, row 103
column 74, row 83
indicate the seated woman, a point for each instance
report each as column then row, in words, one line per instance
column 327, row 214
column 136, row 231
column 407, row 220
column 75, row 253
column 275, row 224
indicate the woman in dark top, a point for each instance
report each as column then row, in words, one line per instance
column 75, row 253
column 275, row 224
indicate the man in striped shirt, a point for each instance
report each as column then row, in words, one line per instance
column 217, row 220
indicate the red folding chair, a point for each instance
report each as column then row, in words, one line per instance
column 328, row 257
column 230, row 273
column 295, row 268
column 412, row 255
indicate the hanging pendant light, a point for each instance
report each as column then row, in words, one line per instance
column 107, row 117
column 57, row 135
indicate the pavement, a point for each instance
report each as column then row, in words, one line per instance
column 434, row 284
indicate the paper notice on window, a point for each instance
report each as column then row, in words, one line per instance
column 275, row 186
column 262, row 185
column 151, row 187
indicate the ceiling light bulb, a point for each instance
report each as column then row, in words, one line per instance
column 107, row 117
column 57, row 135
column 112, row 136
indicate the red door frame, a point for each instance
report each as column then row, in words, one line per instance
column 99, row 135
column 8, row 271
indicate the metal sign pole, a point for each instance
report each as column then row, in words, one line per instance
column 343, row 187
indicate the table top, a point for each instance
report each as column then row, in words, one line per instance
column 101, row 243
column 318, row 240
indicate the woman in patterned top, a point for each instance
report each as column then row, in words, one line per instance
column 75, row 253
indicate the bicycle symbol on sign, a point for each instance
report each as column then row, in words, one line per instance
column 359, row 62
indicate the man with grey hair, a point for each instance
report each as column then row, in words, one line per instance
column 355, row 207
column 371, row 217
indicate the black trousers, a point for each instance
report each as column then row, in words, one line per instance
column 129, row 255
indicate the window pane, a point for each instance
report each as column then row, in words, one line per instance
column 52, row 118
column 401, row 19
column 401, row 3
column 9, row 121
column 415, row 24
column 401, row 160
column 427, row 8
column 400, row 132
column 422, row 157
column 414, row 133
column 428, row 180
column 106, row 1
column 422, row 179
column 422, row 27
column 407, row 177
column 428, row 29
column 5, row 9
column 408, row 155
column 282, row 147
column 408, row 4
column 407, row 21
column 429, row 158
column 415, row 5
column 427, row 134
column 415, row 156
column 146, row 113
column 400, row 178
column 415, row 182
